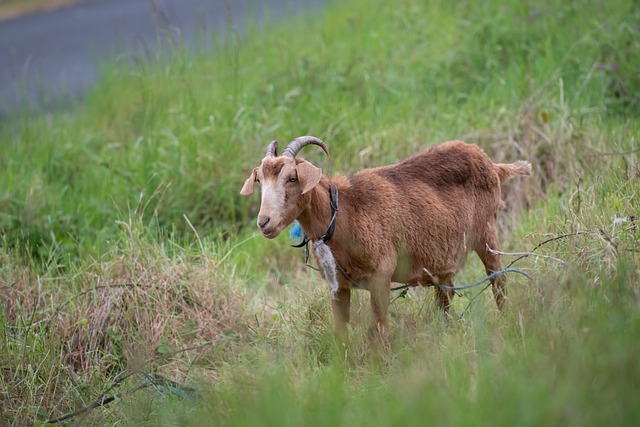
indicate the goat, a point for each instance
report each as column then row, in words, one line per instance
column 413, row 222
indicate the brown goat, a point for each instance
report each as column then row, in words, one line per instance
column 413, row 222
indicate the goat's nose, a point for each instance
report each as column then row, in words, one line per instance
column 263, row 223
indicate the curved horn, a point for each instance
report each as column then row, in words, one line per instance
column 272, row 149
column 296, row 145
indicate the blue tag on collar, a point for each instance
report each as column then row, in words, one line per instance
column 295, row 233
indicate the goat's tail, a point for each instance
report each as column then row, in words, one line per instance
column 509, row 170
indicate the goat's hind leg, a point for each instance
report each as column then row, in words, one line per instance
column 444, row 295
column 441, row 290
column 492, row 264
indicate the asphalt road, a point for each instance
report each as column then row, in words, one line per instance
column 49, row 58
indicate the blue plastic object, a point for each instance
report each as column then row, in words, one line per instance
column 167, row 387
column 295, row 234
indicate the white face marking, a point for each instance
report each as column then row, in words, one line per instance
column 272, row 198
column 273, row 211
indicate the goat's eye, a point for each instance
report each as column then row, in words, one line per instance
column 293, row 179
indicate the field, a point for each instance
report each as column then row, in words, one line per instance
column 136, row 290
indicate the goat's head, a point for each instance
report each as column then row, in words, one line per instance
column 284, row 180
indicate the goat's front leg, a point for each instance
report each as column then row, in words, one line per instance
column 341, row 312
column 380, row 290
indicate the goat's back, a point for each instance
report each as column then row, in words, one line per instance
column 442, row 166
column 434, row 204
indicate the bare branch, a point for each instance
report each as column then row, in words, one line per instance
column 553, row 239
column 496, row 252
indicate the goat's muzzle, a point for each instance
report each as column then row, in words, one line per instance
column 266, row 227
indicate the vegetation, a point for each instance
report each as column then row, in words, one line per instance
column 126, row 251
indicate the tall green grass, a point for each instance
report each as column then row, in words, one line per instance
column 127, row 250
column 390, row 79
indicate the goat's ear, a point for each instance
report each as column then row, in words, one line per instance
column 247, row 188
column 308, row 175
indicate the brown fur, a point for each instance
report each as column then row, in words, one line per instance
column 412, row 222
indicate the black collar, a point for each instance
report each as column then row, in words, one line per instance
column 333, row 201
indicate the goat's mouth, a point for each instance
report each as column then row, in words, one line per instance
column 272, row 228
column 271, row 232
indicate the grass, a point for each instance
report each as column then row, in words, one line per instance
column 127, row 250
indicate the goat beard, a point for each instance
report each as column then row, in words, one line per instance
column 327, row 263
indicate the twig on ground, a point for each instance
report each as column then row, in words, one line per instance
column 613, row 153
column 527, row 254
column 183, row 350
column 154, row 380
column 86, row 291
column 496, row 252
column 103, row 399
column 552, row 239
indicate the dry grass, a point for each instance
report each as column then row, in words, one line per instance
column 255, row 332
column 132, row 313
